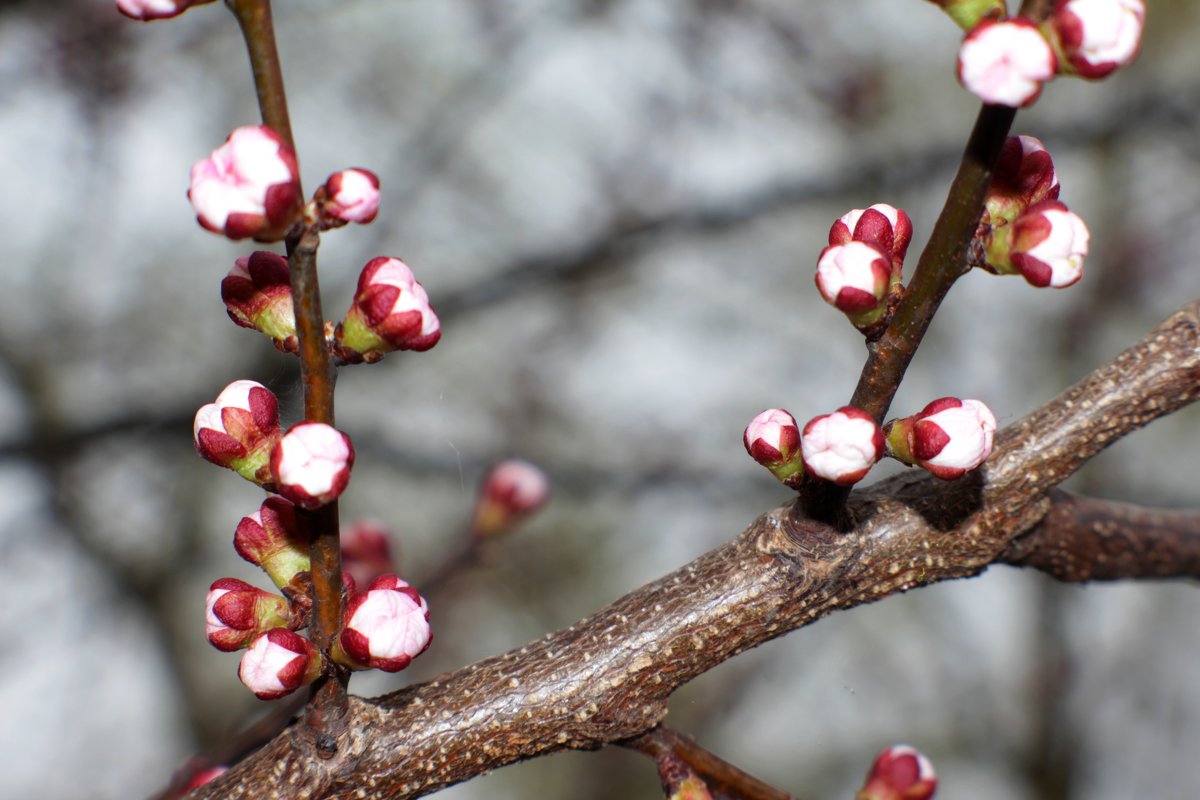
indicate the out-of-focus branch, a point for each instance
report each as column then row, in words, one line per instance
column 673, row 752
column 608, row 678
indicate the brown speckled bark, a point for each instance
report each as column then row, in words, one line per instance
column 608, row 677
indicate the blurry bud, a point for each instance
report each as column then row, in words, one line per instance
column 351, row 195
column 235, row 612
column 842, row 446
column 1096, row 37
column 691, row 788
column 899, row 773
column 312, row 463
column 1047, row 244
column 969, row 13
column 249, row 186
column 384, row 628
column 511, row 491
column 949, row 437
column 147, row 10
column 854, row 278
column 1005, row 63
column 204, row 776
column 886, row 227
column 773, row 439
column 366, row 551
column 239, row 430
column 1024, row 176
column 269, row 538
column 257, row 294
column 390, row 312
column 278, row 663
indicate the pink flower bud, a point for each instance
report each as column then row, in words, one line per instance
column 390, row 312
column 385, row 627
column 842, row 446
column 236, row 612
column 257, row 294
column 278, row 663
column 366, row 551
column 773, row 439
column 311, row 464
column 949, row 437
column 900, row 773
column 854, row 278
column 249, row 186
column 1024, row 176
column 269, row 538
column 691, row 788
column 886, row 227
column 1005, row 63
column 351, row 195
column 203, row 776
column 1049, row 244
column 239, row 430
column 146, row 10
column 1098, row 36
column 511, row 491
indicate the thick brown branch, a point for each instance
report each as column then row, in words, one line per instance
column 1082, row 539
column 608, row 678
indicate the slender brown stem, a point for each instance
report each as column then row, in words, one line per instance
column 676, row 754
column 258, row 29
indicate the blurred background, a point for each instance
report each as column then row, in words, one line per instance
column 616, row 207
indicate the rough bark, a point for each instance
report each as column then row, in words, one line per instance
column 608, row 677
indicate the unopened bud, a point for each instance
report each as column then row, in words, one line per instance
column 239, row 430
column 366, row 551
column 269, row 538
column 236, row 612
column 391, row 311
column 278, row 663
column 511, row 491
column 854, row 278
column 842, row 446
column 351, row 195
column 384, row 628
column 311, row 464
column 1097, row 37
column 949, row 437
column 257, row 294
column 147, row 10
column 1047, row 244
column 248, row 187
column 773, row 440
column 1024, row 175
column 1005, row 63
column 884, row 226
column 899, row 773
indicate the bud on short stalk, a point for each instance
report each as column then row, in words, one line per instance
column 842, row 446
column 854, row 278
column 969, row 13
column 239, row 430
column 899, row 773
column 236, row 613
column 257, row 294
column 1047, row 244
column 366, row 551
column 248, row 187
column 773, row 440
column 147, row 10
column 269, row 538
column 311, row 464
column 1005, row 63
column 1024, row 176
column 511, row 491
column 949, row 437
column 351, row 195
column 278, row 663
column 384, row 628
column 391, row 311
column 691, row 788
column 885, row 227
column 1096, row 37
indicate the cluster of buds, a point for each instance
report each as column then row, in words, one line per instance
column 1025, row 229
column 899, row 773
column 1006, row 61
column 511, row 491
column 949, row 437
column 859, row 273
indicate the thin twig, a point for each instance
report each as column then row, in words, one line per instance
column 674, row 752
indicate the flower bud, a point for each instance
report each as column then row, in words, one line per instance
column 949, row 437
column 1024, row 176
column 385, row 627
column 311, row 464
column 842, row 446
column 269, row 538
column 854, row 278
column 239, row 430
column 147, row 10
column 886, row 227
column 366, row 551
column 1005, row 63
column 969, row 13
column 249, row 186
column 773, row 439
column 257, row 294
column 899, row 773
column 1096, row 37
column 390, row 312
column 236, row 612
column 278, row 663
column 511, row 491
column 351, row 195
column 691, row 788
column 1048, row 244
column 205, row 775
